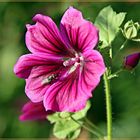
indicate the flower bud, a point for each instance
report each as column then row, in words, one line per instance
column 34, row 111
column 131, row 61
column 131, row 29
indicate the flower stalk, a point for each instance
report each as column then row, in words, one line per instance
column 108, row 105
column 93, row 126
column 88, row 129
column 115, row 74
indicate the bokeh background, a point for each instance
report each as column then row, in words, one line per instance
column 125, row 89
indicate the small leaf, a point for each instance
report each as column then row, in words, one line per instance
column 74, row 135
column 108, row 23
column 65, row 115
column 54, row 117
column 64, row 124
column 63, row 129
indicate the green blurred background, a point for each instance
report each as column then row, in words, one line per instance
column 125, row 89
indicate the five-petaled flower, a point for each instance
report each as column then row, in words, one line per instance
column 62, row 68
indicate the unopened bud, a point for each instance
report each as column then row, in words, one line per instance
column 131, row 61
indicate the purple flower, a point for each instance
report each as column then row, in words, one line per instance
column 62, row 69
column 131, row 61
column 34, row 111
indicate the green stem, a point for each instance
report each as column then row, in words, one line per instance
column 122, row 46
column 88, row 129
column 93, row 126
column 110, row 51
column 115, row 74
column 108, row 105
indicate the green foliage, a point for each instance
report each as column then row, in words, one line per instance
column 108, row 23
column 74, row 134
column 65, row 126
column 54, row 117
column 63, row 129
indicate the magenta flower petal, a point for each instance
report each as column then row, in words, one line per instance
column 37, row 83
column 33, row 111
column 26, row 62
column 82, row 34
column 92, row 70
column 66, row 95
column 44, row 37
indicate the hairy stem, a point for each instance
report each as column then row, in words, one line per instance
column 88, row 129
column 108, row 105
column 93, row 126
column 115, row 74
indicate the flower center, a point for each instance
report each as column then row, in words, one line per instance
column 71, row 65
column 72, row 61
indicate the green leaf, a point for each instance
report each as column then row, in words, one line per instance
column 60, row 116
column 54, row 117
column 63, row 129
column 81, row 114
column 65, row 126
column 65, row 115
column 74, row 135
column 108, row 23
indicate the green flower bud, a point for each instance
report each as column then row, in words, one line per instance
column 131, row 30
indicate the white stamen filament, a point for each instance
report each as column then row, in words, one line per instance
column 73, row 68
column 81, row 58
